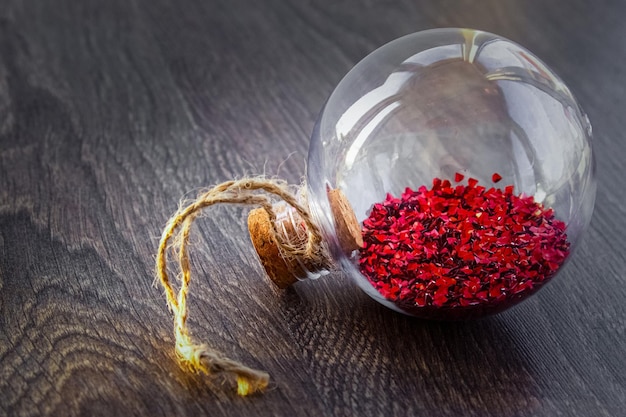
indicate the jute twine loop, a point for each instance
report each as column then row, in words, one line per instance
column 199, row 357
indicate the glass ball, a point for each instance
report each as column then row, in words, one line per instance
column 457, row 105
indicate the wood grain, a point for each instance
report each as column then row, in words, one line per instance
column 111, row 111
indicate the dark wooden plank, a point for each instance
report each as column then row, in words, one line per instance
column 111, row 111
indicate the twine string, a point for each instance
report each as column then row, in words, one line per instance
column 200, row 357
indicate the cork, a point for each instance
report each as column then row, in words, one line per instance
column 348, row 229
column 284, row 272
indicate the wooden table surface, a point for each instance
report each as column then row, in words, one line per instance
column 111, row 111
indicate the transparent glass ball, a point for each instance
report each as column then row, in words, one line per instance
column 443, row 102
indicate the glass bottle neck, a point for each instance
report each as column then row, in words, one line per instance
column 293, row 231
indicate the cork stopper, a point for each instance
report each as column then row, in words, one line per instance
column 348, row 229
column 284, row 272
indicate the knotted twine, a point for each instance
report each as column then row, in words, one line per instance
column 200, row 358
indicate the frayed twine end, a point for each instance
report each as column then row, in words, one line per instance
column 202, row 359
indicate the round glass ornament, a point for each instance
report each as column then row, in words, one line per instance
column 451, row 104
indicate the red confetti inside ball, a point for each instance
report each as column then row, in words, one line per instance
column 460, row 252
